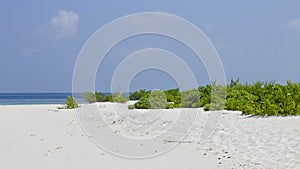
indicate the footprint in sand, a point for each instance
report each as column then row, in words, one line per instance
column 55, row 149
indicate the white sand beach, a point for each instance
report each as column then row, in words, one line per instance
column 42, row 136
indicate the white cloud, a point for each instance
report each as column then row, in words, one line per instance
column 63, row 25
column 294, row 23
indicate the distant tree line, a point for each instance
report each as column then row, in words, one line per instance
column 92, row 97
column 259, row 98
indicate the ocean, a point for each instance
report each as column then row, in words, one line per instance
column 35, row 98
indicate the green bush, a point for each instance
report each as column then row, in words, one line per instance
column 71, row 103
column 154, row 100
column 100, row 97
column 93, row 97
column 218, row 97
column 158, row 99
column 89, row 96
column 143, row 103
column 109, row 98
column 138, row 94
column 174, row 95
column 205, row 95
column 259, row 98
column 119, row 98
column 191, row 98
column 130, row 107
column 170, row 105
column 264, row 98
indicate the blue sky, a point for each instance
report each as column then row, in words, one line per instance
column 40, row 40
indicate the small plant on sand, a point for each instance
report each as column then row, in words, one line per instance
column 92, row 97
column 130, row 107
column 119, row 98
column 71, row 103
column 143, row 103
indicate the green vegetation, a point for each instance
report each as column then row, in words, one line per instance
column 264, row 98
column 216, row 98
column 173, row 98
column 155, row 100
column 71, row 103
column 143, row 103
column 119, row 98
column 138, row 94
column 130, row 107
column 93, row 97
column 190, row 98
column 259, row 98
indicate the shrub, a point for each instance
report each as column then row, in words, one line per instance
column 71, row 103
column 130, row 107
column 100, row 97
column 207, row 107
column 158, row 99
column 155, row 100
column 259, row 98
column 119, row 98
column 93, row 97
column 174, row 95
column 89, row 96
column 218, row 97
column 143, row 103
column 169, row 105
column 109, row 98
column 190, row 98
column 205, row 95
column 138, row 94
column 264, row 98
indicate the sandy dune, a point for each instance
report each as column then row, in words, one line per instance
column 42, row 136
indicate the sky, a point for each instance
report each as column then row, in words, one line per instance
column 41, row 40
